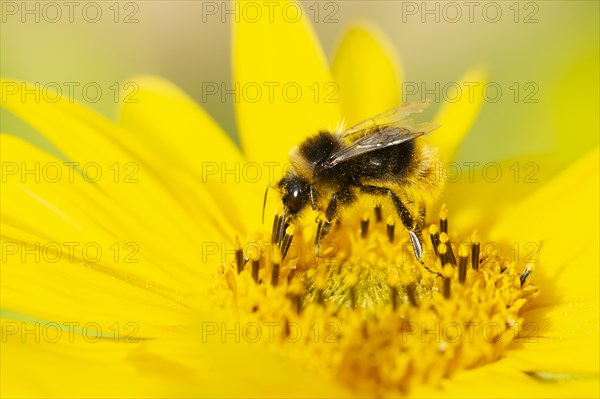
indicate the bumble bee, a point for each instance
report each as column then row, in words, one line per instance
column 383, row 156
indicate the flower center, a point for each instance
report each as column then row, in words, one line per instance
column 365, row 311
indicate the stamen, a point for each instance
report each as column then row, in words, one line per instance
column 255, row 267
column 364, row 225
column 276, row 267
column 526, row 273
column 275, row 230
column 296, row 291
column 463, row 257
column 287, row 241
column 283, row 225
column 320, row 284
column 394, row 298
column 411, row 290
column 393, row 281
column 390, row 229
column 503, row 266
column 444, row 219
column 434, row 234
column 447, row 271
column 350, row 281
column 475, row 248
column 239, row 256
column 444, row 240
column 378, row 214
column 253, row 255
column 443, row 252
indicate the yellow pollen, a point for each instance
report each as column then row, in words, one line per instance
column 463, row 258
column 444, row 212
column 364, row 225
column 391, row 231
column 433, row 229
column 442, row 249
column 447, row 272
column 371, row 315
column 351, row 280
column 393, row 280
column 444, row 219
column 463, row 251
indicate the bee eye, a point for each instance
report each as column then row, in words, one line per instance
column 293, row 191
column 295, row 200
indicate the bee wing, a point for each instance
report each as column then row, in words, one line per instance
column 387, row 118
column 384, row 137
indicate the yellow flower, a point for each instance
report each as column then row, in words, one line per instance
column 114, row 284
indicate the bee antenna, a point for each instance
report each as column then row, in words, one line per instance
column 265, row 204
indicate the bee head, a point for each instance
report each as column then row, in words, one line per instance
column 295, row 192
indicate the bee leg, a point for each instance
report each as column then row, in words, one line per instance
column 342, row 196
column 324, row 226
column 322, row 230
column 318, row 238
column 330, row 213
column 420, row 221
column 313, row 200
column 405, row 216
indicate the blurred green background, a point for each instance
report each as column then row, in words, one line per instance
column 549, row 49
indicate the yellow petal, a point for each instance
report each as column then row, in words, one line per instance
column 366, row 70
column 83, row 369
column 562, row 339
column 57, row 204
column 187, row 363
column 70, row 254
column 175, row 127
column 456, row 118
column 187, row 141
column 503, row 380
column 562, row 215
column 285, row 90
column 116, row 162
column 91, row 294
column 555, row 354
column 575, row 107
column 168, row 367
column 498, row 184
